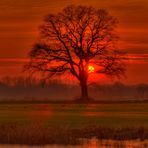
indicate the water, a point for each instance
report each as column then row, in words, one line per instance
column 93, row 143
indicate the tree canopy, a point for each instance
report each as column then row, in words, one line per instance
column 73, row 39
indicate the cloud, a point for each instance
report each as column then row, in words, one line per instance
column 20, row 20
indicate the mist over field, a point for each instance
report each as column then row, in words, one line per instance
column 29, row 89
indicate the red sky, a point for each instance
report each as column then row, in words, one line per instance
column 19, row 21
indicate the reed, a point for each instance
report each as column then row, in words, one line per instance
column 39, row 135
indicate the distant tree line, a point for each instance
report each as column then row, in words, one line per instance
column 28, row 88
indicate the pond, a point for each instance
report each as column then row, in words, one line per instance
column 92, row 143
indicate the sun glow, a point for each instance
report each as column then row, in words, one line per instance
column 91, row 69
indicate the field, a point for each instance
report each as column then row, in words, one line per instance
column 64, row 123
column 76, row 115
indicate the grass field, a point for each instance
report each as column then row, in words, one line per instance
column 76, row 115
column 40, row 124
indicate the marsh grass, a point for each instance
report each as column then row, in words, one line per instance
column 38, row 135
column 66, row 124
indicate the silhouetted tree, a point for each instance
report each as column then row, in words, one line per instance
column 72, row 40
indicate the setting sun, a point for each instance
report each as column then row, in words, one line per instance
column 91, row 69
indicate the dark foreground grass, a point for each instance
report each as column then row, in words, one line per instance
column 38, row 135
column 41, row 124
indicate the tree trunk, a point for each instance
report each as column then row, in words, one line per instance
column 84, row 89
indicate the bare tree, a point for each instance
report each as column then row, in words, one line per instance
column 72, row 40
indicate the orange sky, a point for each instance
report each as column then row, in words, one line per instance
column 19, row 21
